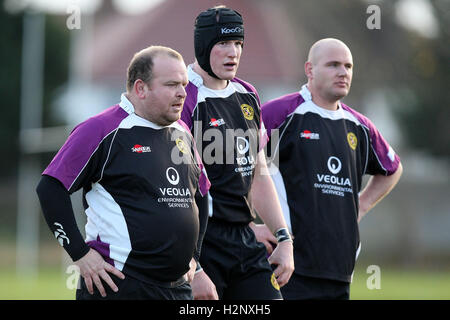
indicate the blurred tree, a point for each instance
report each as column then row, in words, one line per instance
column 55, row 75
column 10, row 61
column 426, row 120
column 412, row 70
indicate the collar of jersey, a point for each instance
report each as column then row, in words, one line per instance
column 309, row 106
column 194, row 77
column 306, row 94
column 126, row 104
column 197, row 80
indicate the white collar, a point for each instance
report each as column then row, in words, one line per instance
column 306, row 94
column 126, row 104
column 194, row 77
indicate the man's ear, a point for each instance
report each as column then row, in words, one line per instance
column 308, row 69
column 140, row 88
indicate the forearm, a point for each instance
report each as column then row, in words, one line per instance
column 59, row 215
column 202, row 204
column 376, row 189
column 264, row 197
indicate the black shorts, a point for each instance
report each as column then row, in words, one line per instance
column 133, row 289
column 307, row 288
column 237, row 263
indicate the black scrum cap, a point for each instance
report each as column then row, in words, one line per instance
column 212, row 26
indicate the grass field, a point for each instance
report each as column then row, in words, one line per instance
column 396, row 284
column 50, row 283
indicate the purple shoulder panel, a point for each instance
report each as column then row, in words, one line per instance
column 274, row 112
column 385, row 154
column 82, row 143
column 189, row 104
column 248, row 86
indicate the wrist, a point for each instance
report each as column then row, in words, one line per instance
column 283, row 235
column 198, row 268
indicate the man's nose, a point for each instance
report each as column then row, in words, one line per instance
column 182, row 92
column 343, row 71
column 233, row 51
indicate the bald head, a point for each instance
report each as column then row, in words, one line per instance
column 329, row 70
column 323, row 46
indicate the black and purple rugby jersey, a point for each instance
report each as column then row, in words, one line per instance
column 322, row 157
column 229, row 132
column 139, row 181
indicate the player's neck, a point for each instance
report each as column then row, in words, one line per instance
column 322, row 102
column 137, row 106
column 329, row 105
column 208, row 81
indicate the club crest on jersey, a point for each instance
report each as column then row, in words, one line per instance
column 352, row 140
column 140, row 149
column 216, row 122
column 181, row 145
column 248, row 111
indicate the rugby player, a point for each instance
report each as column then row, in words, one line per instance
column 324, row 148
column 140, row 174
column 223, row 113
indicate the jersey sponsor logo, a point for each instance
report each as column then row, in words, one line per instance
column 140, row 149
column 352, row 140
column 242, row 147
column 175, row 197
column 306, row 134
column 334, row 165
column 216, row 122
column 331, row 183
column 60, row 234
column 248, row 111
column 181, row 145
column 334, row 180
column 172, row 176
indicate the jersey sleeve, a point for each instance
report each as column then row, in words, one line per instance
column 58, row 213
column 76, row 162
column 275, row 112
column 382, row 157
column 79, row 160
column 189, row 104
